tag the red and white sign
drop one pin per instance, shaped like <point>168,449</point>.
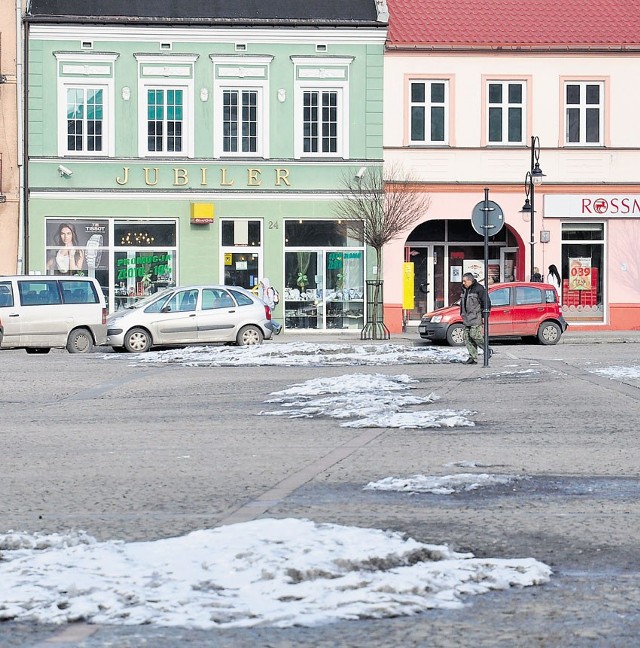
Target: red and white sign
<point>592,206</point>
<point>580,273</point>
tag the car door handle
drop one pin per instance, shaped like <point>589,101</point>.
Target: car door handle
<point>14,315</point>
<point>192,315</point>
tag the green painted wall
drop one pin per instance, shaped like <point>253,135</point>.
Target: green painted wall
<point>99,187</point>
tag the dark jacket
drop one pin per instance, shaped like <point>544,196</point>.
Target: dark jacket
<point>473,301</point>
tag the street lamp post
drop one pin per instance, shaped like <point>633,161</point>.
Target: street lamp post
<point>531,181</point>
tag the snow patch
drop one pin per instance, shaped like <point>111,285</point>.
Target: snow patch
<point>266,572</point>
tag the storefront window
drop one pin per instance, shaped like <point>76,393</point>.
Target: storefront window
<point>129,259</point>
<point>324,288</point>
<point>317,233</point>
<point>141,273</point>
<point>78,247</point>
<point>582,272</point>
<point>241,232</point>
<point>144,259</point>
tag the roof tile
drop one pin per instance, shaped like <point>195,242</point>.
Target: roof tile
<point>514,23</point>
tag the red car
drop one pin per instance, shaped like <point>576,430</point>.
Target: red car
<point>518,309</point>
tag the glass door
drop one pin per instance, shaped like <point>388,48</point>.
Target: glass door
<point>303,296</point>
<point>344,294</point>
<point>429,266</point>
<point>508,264</point>
<point>241,269</point>
<point>241,252</point>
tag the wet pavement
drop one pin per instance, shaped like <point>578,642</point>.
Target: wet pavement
<point>91,444</point>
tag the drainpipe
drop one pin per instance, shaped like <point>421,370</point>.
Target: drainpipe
<point>22,196</point>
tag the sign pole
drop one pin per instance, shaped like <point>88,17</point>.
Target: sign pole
<point>486,215</point>
<point>485,311</point>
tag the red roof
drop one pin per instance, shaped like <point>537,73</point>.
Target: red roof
<point>530,24</point>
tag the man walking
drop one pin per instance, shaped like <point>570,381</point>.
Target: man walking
<point>474,300</point>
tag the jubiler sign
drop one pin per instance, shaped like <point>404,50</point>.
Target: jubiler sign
<point>592,206</point>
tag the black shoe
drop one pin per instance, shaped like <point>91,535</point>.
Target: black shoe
<point>490,352</point>
<point>470,361</point>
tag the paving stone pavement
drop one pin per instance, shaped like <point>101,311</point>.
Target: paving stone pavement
<point>92,443</point>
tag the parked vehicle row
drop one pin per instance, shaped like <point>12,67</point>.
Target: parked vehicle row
<point>38,313</point>
<point>518,309</point>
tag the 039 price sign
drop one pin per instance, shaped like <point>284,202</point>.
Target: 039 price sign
<point>580,273</point>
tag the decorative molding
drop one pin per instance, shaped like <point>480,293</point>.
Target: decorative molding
<point>86,70</point>
<point>241,72</point>
<point>165,71</point>
<point>322,73</point>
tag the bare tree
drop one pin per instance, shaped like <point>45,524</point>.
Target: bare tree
<point>380,204</point>
<point>383,201</point>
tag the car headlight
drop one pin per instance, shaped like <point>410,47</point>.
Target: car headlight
<point>436,318</point>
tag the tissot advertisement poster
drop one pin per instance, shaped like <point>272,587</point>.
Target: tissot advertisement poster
<point>75,246</point>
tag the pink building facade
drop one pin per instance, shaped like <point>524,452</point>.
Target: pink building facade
<point>471,96</point>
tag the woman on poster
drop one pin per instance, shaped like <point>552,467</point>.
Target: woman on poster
<point>69,259</point>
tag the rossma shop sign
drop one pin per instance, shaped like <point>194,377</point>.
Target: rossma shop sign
<point>592,206</point>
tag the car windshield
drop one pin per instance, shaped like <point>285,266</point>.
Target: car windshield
<point>142,303</point>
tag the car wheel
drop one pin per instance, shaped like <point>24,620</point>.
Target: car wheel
<point>80,341</point>
<point>249,335</point>
<point>455,335</point>
<point>549,333</point>
<point>137,340</point>
<point>37,350</point>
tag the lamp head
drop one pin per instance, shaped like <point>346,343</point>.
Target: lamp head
<point>537,175</point>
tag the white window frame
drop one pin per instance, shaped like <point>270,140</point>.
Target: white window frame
<point>86,72</point>
<point>262,120</point>
<point>338,153</point>
<point>322,74</point>
<point>505,106</point>
<point>427,105</point>
<point>176,73</point>
<point>583,107</point>
<point>239,73</point>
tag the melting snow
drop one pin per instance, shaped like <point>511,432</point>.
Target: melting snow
<point>267,572</point>
<point>298,354</point>
<point>619,372</point>
<point>440,485</point>
<point>368,400</point>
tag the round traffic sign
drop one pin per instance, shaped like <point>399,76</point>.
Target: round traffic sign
<point>495,218</point>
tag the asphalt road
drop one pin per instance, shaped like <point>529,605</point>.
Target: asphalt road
<point>100,444</point>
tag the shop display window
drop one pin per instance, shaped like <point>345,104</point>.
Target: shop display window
<point>324,287</point>
<point>129,259</point>
<point>582,272</point>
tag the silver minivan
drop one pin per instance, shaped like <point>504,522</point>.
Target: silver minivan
<point>41,312</point>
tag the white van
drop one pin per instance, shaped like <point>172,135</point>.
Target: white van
<point>40,312</point>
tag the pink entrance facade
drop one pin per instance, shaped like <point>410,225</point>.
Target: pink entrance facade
<point>590,237</point>
<point>466,107</point>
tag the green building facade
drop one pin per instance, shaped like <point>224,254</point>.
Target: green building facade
<point>164,153</point>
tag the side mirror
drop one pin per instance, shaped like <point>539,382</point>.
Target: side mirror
<point>165,309</point>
